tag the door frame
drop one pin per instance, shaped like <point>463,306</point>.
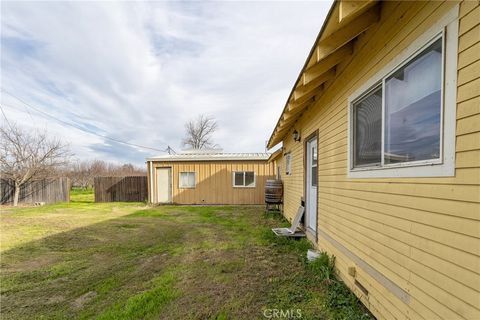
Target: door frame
<point>171,184</point>
<point>313,135</point>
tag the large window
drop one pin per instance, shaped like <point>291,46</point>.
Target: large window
<point>402,119</point>
<point>186,180</point>
<point>398,121</point>
<point>244,179</point>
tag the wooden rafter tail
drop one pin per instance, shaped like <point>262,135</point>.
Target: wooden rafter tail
<point>294,112</point>
<point>282,131</point>
<point>347,32</point>
<point>293,106</point>
<point>286,122</point>
<point>349,10</point>
<point>303,90</point>
<point>334,45</point>
<point>303,99</point>
<point>327,63</point>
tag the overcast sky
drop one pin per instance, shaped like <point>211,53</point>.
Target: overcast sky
<point>137,71</point>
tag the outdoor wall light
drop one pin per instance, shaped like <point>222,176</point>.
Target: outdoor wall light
<point>296,135</point>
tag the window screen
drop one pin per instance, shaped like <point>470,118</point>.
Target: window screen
<point>238,178</point>
<point>413,108</point>
<point>368,129</point>
<point>187,180</point>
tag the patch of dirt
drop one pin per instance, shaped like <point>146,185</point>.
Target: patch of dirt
<point>55,300</point>
<point>33,264</point>
<point>153,263</point>
<point>243,290</point>
<point>236,280</point>
<point>83,299</point>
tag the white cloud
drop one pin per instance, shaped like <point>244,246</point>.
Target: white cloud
<point>138,71</point>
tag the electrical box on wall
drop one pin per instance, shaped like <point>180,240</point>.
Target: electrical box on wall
<point>352,271</point>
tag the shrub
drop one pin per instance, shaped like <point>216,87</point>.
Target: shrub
<point>324,267</point>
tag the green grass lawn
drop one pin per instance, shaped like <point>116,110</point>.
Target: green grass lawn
<point>129,261</point>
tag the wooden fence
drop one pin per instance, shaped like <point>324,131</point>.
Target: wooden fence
<point>112,189</point>
<point>46,190</point>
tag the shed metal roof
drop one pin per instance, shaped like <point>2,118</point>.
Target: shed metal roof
<point>210,156</point>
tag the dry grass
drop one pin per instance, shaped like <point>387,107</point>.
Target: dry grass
<point>128,261</point>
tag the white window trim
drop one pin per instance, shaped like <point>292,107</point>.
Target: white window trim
<point>180,186</point>
<point>288,164</point>
<point>244,186</point>
<point>445,166</point>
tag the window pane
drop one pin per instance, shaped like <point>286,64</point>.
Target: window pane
<point>314,176</point>
<point>368,129</point>
<point>239,178</point>
<point>187,179</point>
<point>413,108</point>
<point>183,179</point>
<point>191,179</point>
<point>249,179</point>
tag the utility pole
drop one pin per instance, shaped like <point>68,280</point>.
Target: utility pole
<point>170,150</point>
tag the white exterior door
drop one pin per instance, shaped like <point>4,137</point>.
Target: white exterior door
<point>311,186</point>
<point>164,185</point>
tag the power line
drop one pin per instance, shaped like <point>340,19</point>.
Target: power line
<point>76,126</point>
<point>6,119</point>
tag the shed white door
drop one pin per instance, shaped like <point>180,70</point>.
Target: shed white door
<point>311,185</point>
<point>164,185</point>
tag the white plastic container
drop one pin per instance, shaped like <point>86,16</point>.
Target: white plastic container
<point>312,255</point>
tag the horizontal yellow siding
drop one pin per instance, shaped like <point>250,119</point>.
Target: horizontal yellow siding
<point>214,182</point>
<point>421,233</point>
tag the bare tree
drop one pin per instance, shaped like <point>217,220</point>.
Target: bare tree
<point>25,156</point>
<point>82,173</point>
<point>199,132</point>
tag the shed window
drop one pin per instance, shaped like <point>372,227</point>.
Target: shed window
<point>186,180</point>
<point>288,164</point>
<point>244,179</point>
<point>406,106</point>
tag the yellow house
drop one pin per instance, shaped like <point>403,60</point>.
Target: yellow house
<point>209,177</point>
<point>381,142</point>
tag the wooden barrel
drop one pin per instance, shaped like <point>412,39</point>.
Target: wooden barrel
<point>273,191</point>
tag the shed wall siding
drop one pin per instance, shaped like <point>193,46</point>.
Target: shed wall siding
<point>421,233</point>
<point>214,183</point>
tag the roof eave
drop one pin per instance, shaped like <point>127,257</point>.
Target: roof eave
<point>333,46</point>
<point>312,50</point>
